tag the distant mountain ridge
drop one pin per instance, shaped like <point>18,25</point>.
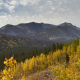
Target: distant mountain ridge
<point>65,31</point>
<point>23,29</point>
<point>42,31</point>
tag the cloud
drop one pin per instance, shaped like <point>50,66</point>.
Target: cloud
<point>60,3</point>
<point>52,18</point>
<point>40,8</point>
<point>23,2</point>
<point>9,7</point>
<point>26,2</point>
<point>61,9</point>
<point>1,2</point>
<point>13,2</point>
<point>53,8</point>
<point>33,2</point>
<point>48,2</point>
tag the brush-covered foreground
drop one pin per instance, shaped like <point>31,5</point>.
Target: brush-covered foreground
<point>70,54</point>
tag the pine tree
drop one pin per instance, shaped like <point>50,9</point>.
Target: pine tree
<point>67,59</point>
<point>53,47</point>
<point>57,47</point>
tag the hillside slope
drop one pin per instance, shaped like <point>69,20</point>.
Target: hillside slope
<point>23,29</point>
<point>63,32</point>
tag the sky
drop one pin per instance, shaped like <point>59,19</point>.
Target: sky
<point>47,11</point>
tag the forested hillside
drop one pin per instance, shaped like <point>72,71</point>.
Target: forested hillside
<point>70,54</point>
<point>23,48</point>
<point>7,42</point>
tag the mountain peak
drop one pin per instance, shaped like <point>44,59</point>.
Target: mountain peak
<point>31,23</point>
<point>7,26</point>
<point>65,23</point>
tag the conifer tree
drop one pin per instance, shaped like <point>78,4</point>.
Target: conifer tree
<point>57,47</point>
<point>53,47</point>
<point>67,60</point>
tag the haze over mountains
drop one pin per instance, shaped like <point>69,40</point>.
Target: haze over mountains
<point>42,31</point>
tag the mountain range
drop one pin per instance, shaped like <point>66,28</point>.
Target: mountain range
<point>24,29</point>
<point>42,31</point>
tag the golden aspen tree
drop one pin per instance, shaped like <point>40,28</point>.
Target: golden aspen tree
<point>38,63</point>
<point>48,60</point>
<point>42,61</point>
<point>32,64</point>
<point>64,51</point>
<point>54,58</point>
<point>17,70</point>
<point>26,66</point>
<point>7,72</point>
